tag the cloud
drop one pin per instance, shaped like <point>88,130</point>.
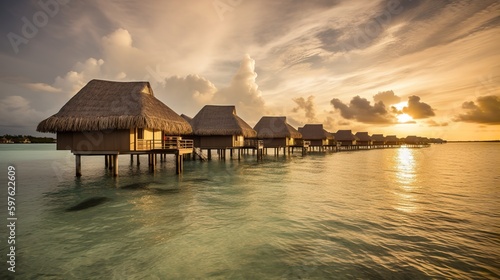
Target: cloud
<point>417,109</point>
<point>433,123</point>
<point>485,110</point>
<point>184,92</point>
<point>42,87</point>
<point>359,109</point>
<point>19,107</point>
<point>243,91</point>
<point>387,97</point>
<point>307,106</point>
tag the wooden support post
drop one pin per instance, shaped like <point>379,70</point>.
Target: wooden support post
<point>110,162</point>
<point>209,154</point>
<point>239,154</point>
<point>131,159</point>
<point>106,163</point>
<point>178,163</point>
<point>78,165</point>
<point>115,165</point>
<point>138,161</point>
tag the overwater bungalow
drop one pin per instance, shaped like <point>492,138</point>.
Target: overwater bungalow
<point>378,139</point>
<point>412,140</point>
<point>6,141</point>
<point>392,140</point>
<point>111,118</point>
<point>364,139</point>
<point>346,138</point>
<point>317,136</point>
<point>219,127</point>
<point>276,132</point>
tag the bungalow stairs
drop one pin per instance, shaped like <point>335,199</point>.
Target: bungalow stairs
<point>200,154</point>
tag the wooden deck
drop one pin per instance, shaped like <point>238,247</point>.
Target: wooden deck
<point>153,148</point>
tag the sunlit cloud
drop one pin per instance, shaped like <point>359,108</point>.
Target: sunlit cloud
<point>417,109</point>
<point>325,49</point>
<point>361,110</point>
<point>485,110</point>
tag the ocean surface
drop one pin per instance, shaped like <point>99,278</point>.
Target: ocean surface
<point>381,214</point>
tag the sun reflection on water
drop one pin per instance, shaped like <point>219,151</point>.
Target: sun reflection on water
<point>405,168</point>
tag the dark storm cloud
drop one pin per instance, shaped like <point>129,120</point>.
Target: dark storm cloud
<point>485,110</point>
<point>361,110</point>
<point>417,109</point>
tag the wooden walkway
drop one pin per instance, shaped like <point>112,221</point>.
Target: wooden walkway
<point>184,148</point>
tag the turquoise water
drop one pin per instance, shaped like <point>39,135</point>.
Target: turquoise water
<point>378,214</point>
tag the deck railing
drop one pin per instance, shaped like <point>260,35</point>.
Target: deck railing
<point>258,144</point>
<point>170,143</point>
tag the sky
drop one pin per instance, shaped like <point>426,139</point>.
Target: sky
<point>397,67</point>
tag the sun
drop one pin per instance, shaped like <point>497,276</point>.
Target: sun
<point>399,106</point>
<point>404,118</point>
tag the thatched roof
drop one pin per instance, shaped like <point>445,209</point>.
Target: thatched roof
<point>102,105</point>
<point>363,136</point>
<point>275,127</point>
<point>187,118</point>
<point>412,139</point>
<point>378,137</point>
<point>391,138</point>
<point>314,132</point>
<point>345,135</point>
<point>220,120</point>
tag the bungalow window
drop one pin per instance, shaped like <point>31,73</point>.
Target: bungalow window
<point>140,133</point>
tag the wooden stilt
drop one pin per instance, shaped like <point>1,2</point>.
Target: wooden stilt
<point>115,165</point>
<point>78,165</point>
<point>138,161</point>
<point>209,153</point>
<point>131,159</point>
<point>178,159</point>
<point>106,162</point>
<point>110,162</point>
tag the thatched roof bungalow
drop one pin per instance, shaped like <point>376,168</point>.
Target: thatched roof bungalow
<point>392,140</point>
<point>219,127</point>
<point>345,138</point>
<point>364,139</point>
<point>276,132</point>
<point>378,139</point>
<point>412,140</point>
<point>113,116</point>
<point>316,135</point>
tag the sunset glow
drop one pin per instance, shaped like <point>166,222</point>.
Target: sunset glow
<point>365,66</point>
<point>404,118</point>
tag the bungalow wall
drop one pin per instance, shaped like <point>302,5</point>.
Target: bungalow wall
<point>364,143</point>
<point>218,141</point>
<point>347,142</point>
<point>106,140</point>
<point>123,140</point>
<point>278,142</point>
<point>145,139</point>
<point>318,142</point>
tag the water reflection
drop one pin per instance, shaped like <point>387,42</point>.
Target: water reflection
<point>405,177</point>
